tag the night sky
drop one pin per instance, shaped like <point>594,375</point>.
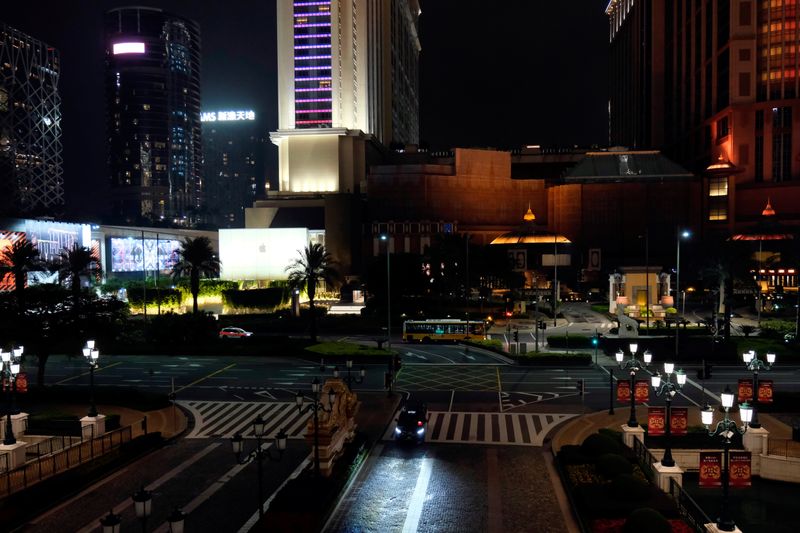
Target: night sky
<point>490,76</point>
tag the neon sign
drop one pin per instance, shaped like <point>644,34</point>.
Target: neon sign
<point>227,116</point>
<point>128,48</point>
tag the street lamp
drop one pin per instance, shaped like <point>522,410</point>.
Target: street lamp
<point>92,357</point>
<point>633,365</point>
<point>667,388</point>
<point>385,238</point>
<point>316,406</point>
<point>10,370</point>
<point>175,521</point>
<point>259,454</point>
<point>685,234</point>
<point>726,428</point>
<point>110,523</point>
<point>362,373</point>
<point>754,364</point>
<point>143,505</point>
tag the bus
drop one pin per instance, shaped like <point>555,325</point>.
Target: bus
<point>442,330</point>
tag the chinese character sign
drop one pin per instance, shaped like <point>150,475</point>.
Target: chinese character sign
<point>623,391</point>
<point>642,390</point>
<point>656,421</point>
<point>765,391</point>
<point>679,421</point>
<point>710,469</point>
<point>745,390</point>
<point>739,469</point>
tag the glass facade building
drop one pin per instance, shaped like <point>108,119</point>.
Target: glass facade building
<point>153,102</point>
<point>234,153</point>
<point>31,173</point>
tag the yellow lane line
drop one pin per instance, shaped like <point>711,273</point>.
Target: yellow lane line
<point>98,369</point>
<point>193,383</point>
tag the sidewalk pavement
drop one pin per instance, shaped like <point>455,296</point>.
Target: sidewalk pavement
<point>576,431</point>
<point>170,421</point>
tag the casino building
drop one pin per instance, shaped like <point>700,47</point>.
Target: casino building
<point>31,175</point>
<point>347,88</point>
<point>153,113</point>
<point>234,153</point>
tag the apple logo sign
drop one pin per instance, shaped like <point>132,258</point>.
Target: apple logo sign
<point>262,248</point>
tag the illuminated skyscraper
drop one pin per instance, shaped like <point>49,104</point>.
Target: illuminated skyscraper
<point>31,179</point>
<point>716,84</point>
<point>234,151</point>
<point>345,70</point>
<point>348,77</point>
<point>153,102</point>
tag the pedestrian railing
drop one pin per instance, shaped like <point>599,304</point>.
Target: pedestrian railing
<point>49,446</point>
<point>691,513</point>
<point>645,457</point>
<point>784,447</point>
<point>80,451</point>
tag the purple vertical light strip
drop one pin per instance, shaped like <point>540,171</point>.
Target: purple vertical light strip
<point>313,19</point>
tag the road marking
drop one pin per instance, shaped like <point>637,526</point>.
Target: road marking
<point>119,508</point>
<point>254,518</point>
<point>494,492</point>
<point>205,377</point>
<point>96,370</point>
<point>225,419</point>
<point>513,429</point>
<point>418,497</point>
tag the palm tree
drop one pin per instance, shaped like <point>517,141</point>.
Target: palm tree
<point>196,258</point>
<point>19,259</point>
<point>315,266</point>
<point>74,262</point>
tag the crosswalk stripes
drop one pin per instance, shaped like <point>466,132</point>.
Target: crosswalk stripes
<point>214,419</point>
<point>519,399</point>
<point>512,429</point>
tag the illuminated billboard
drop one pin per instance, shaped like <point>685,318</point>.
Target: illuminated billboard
<point>135,255</point>
<point>259,254</point>
<point>128,48</point>
<point>227,116</point>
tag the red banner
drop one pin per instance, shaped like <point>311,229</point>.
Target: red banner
<point>745,390</point>
<point>656,421</point>
<point>642,390</point>
<point>679,423</point>
<point>710,469</point>
<point>740,469</point>
<point>623,391</point>
<point>765,391</point>
<point>22,382</point>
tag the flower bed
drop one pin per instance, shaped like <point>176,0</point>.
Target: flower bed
<point>608,487</point>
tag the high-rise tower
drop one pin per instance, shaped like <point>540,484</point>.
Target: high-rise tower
<point>31,174</point>
<point>347,77</point>
<point>153,102</point>
<point>345,70</point>
<point>716,84</point>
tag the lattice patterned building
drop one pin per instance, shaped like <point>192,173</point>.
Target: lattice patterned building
<point>31,174</point>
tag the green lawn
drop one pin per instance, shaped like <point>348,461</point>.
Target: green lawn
<point>333,349</point>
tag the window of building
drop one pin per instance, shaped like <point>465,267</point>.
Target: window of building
<point>744,84</point>
<point>759,167</point>
<point>718,186</point>
<point>781,143</point>
<point>723,128</point>
<point>745,18</point>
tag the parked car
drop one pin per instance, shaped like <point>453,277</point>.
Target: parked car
<point>234,333</point>
<point>412,422</point>
<point>789,338</point>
